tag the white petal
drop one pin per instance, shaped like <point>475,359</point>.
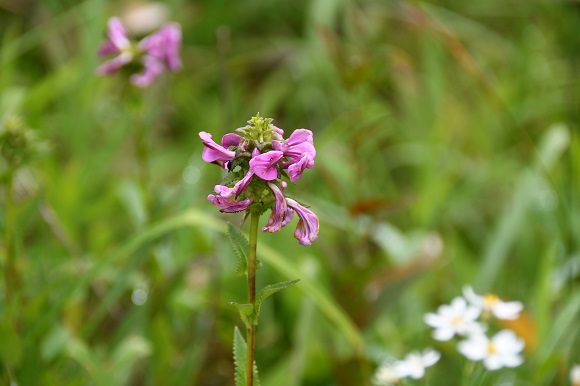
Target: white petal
<point>472,313</point>
<point>575,375</point>
<point>459,305</point>
<point>512,360</point>
<point>417,372</point>
<point>472,297</point>
<point>430,357</point>
<point>443,334</point>
<point>434,320</point>
<point>493,363</point>
<point>507,310</point>
<point>385,376</point>
<point>474,348</point>
<point>506,341</point>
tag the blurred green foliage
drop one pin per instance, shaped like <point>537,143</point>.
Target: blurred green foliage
<point>447,154</point>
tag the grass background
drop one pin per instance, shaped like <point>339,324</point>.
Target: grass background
<point>447,154</point>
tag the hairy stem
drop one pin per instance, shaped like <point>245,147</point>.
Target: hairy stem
<point>251,328</point>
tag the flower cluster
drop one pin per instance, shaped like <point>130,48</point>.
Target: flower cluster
<point>258,159</point>
<point>156,53</point>
<point>413,366</point>
<point>461,318</point>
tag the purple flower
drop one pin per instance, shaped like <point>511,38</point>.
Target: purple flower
<point>213,152</point>
<point>308,225</point>
<point>229,206</point>
<point>261,151</point>
<point>264,165</point>
<point>157,52</point>
<point>281,214</point>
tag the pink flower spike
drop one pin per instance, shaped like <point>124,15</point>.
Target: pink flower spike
<point>264,165</point>
<point>229,206</point>
<point>308,225</point>
<point>281,214</point>
<point>214,152</point>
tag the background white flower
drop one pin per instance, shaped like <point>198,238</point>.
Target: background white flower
<point>414,364</point>
<point>575,375</point>
<point>386,375</point>
<point>490,303</point>
<point>502,350</point>
<point>455,318</point>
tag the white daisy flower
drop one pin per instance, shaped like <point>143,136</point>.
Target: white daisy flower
<point>457,318</point>
<point>491,304</point>
<point>415,363</point>
<point>575,375</point>
<point>502,350</point>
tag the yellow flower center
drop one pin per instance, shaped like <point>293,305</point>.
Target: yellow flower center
<point>490,300</point>
<point>491,348</point>
<point>457,320</point>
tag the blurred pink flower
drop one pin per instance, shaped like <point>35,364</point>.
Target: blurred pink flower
<point>157,52</point>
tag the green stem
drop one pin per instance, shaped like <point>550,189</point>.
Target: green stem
<point>11,280</point>
<point>251,327</point>
<point>142,155</point>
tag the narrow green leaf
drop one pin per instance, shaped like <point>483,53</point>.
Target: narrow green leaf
<point>11,346</point>
<point>239,358</point>
<point>246,312</point>
<point>269,290</point>
<point>241,247</point>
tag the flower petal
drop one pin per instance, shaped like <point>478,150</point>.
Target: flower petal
<point>295,170</point>
<point>264,165</point>
<point>152,68</point>
<point>308,225</point>
<point>214,152</point>
<point>280,214</point>
<point>507,310</point>
<point>237,189</point>
<point>113,65</point>
<point>118,34</point>
<point>229,206</point>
